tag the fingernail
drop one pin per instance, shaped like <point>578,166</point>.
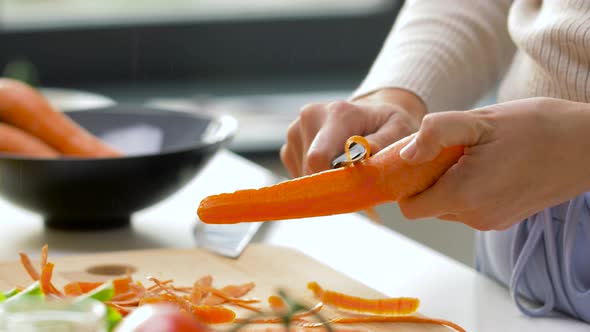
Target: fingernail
<point>409,151</point>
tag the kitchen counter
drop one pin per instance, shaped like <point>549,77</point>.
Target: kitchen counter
<point>350,244</point>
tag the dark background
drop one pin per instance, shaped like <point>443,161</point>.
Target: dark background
<point>143,52</point>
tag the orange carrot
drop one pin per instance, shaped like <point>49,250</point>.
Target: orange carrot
<point>385,177</point>
<point>19,142</point>
<point>25,108</point>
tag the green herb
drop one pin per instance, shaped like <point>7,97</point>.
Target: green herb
<point>293,308</point>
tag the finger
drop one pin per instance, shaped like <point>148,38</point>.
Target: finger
<point>312,118</point>
<point>438,200</point>
<point>287,159</point>
<point>440,130</point>
<point>394,129</point>
<point>342,121</point>
<point>292,153</point>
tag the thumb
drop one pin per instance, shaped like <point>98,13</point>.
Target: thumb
<point>441,130</point>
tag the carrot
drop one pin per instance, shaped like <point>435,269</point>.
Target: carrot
<point>385,177</point>
<point>19,142</point>
<point>25,108</point>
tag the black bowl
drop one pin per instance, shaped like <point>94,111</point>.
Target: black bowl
<point>87,194</point>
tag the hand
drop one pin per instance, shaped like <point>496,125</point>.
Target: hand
<point>520,158</point>
<point>317,136</point>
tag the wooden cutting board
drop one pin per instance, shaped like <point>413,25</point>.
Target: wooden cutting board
<point>270,267</point>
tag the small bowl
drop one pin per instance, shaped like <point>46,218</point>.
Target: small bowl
<point>164,150</point>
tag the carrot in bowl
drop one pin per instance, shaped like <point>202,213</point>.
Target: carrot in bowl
<point>24,107</point>
<point>385,177</point>
<point>18,142</point>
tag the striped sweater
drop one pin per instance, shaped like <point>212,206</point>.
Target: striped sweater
<point>451,52</point>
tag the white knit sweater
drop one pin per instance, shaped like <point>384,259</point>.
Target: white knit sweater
<point>451,52</point>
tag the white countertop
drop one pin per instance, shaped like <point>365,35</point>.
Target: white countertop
<point>369,253</point>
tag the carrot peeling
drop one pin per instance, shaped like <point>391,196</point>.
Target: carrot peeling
<point>231,299</point>
<point>45,280</point>
<point>386,306</point>
<point>26,262</point>
<point>231,291</point>
<point>44,255</point>
<point>214,314</point>
<point>277,304</point>
<point>73,289</point>
<point>281,309</point>
<point>384,319</point>
<point>382,178</point>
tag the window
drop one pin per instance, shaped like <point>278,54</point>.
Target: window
<point>36,14</point>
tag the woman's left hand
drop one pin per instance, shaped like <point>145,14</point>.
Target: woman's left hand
<point>520,158</point>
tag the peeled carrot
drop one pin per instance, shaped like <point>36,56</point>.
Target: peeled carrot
<point>25,108</point>
<point>19,142</point>
<point>385,177</point>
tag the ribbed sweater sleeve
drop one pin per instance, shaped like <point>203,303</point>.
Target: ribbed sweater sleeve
<point>448,52</point>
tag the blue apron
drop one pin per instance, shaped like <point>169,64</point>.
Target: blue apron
<point>545,259</point>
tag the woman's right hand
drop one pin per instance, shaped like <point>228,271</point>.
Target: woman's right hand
<point>317,136</point>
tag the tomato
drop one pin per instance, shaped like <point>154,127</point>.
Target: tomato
<point>160,318</point>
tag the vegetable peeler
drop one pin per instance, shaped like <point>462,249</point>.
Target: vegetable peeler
<point>357,153</point>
